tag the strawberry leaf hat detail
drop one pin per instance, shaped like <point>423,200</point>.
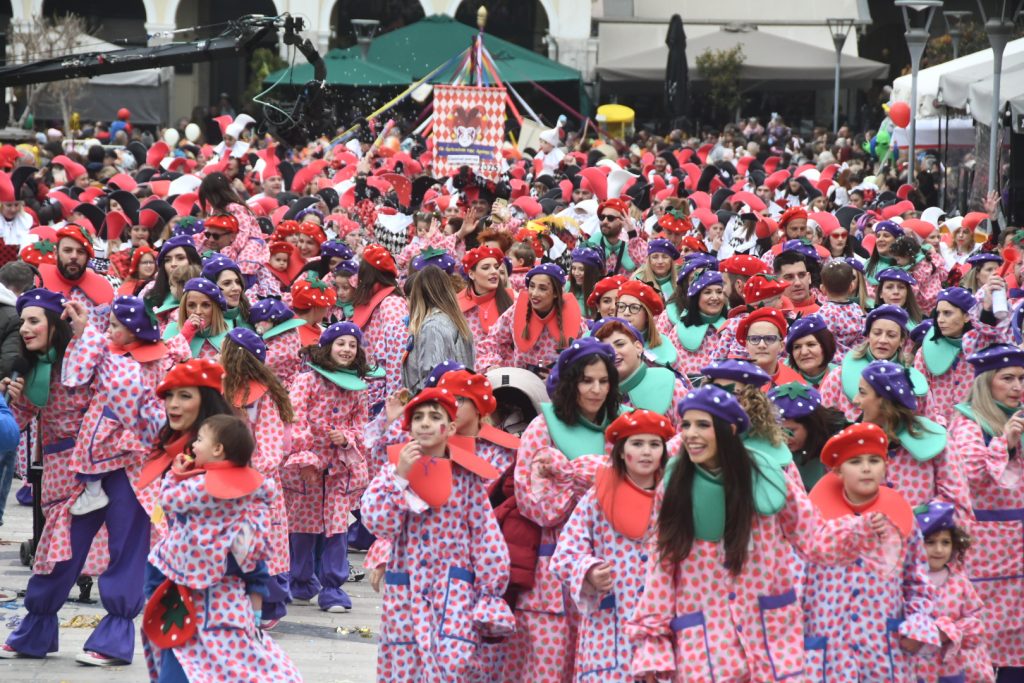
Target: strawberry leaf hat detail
<point>311,292</point>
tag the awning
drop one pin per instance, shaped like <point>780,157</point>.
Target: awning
<point>971,90</point>
<point>784,63</point>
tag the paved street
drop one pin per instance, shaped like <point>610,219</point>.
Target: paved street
<point>309,636</point>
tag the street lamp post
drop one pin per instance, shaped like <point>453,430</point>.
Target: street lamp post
<point>918,31</point>
<point>839,28</point>
<point>999,29</point>
<point>954,24</point>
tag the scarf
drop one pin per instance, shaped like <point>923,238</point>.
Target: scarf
<point>37,384</point>
<point>485,303</point>
<point>535,326</point>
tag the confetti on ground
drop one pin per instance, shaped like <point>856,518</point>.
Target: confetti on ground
<point>362,631</point>
<point>82,621</point>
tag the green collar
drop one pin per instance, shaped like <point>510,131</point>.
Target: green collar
<point>968,411</point>
<point>666,285</point>
<point>281,328</point>
<point>779,455</point>
<point>169,304</point>
<point>37,383</point>
<point>664,353</point>
<point>692,337</point>
<point>650,389</point>
<point>344,378</point>
<point>926,445</point>
<point>582,438</point>
<point>940,353</point>
<point>196,343</point>
<point>851,369</point>
<point>348,309</point>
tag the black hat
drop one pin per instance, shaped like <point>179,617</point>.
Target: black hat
<point>137,150</point>
<point>299,205</point>
<point>20,175</point>
<point>720,195</point>
<point>129,204</point>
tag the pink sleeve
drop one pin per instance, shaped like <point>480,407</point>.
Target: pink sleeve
<point>83,357</point>
<point>492,617</point>
<point>637,247</point>
<point>918,598</point>
<point>951,484</point>
<point>827,542</point>
<point>384,505</point>
<point>302,392</point>
<point>547,502</point>
<point>351,425</point>
<point>378,554</point>
<point>495,349</point>
<point>574,554</point>
<point>650,627</point>
<point>272,437</point>
<point>984,465</point>
<point>178,348</point>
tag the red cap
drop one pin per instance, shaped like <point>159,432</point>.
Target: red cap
<point>973,219</point>
<point>198,372</point>
<point>475,256</point>
<point>694,243</point>
<point>222,222</point>
<point>380,258</point>
<point>645,293</point>
<point>310,292</point>
<point>137,256</point>
<point>898,209</point>
<point>743,264</point>
<point>620,205</point>
<point>465,384</point>
<point>603,286</point>
<point>761,287</point>
<point>671,223</point>
<point>863,438</point>
<point>921,228</point>
<point>311,229</point>
<point>792,213</point>
<point>442,397</point>
<point>639,422</point>
<point>766,315</point>
<point>282,248</point>
<point>80,235</point>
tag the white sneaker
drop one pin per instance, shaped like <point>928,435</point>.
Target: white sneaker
<point>89,502</point>
<point>337,609</point>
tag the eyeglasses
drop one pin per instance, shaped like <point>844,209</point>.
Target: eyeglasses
<point>215,235</point>
<point>630,308</point>
<point>766,339</point>
<point>609,217</point>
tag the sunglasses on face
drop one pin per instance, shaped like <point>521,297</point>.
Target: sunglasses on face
<point>215,235</point>
<point>609,217</point>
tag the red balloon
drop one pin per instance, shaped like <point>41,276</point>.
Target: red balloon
<point>899,112</point>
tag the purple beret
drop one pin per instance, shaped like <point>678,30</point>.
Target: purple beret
<point>350,266</point>
<point>718,402</point>
<point>802,327</point>
<point>549,269</point>
<point>588,257</point>
<point>131,311</point>
<point>598,324</point>
<point>188,226</point>
<point>802,247</point>
<point>921,330</point>
<point>795,400</point>
<point>341,329</point>
<point>854,263</point>
<point>574,353</point>
<point>934,516</point>
<point>270,310</point>
<point>204,286</point>
<point>434,257</point>
<point>976,260</point>
<point>440,370</point>
<point>896,275</point>
<point>888,226</point>
<point>173,243</point>
<point>660,245</point>
<point>336,248</point>
<point>995,357</point>
<point>737,370</point>
<point>959,297</point>
<point>704,280</point>
<point>250,341</point>
<point>42,298</point>
<point>692,262</point>
<point>886,312</point>
<point>217,264</point>
<point>890,381</point>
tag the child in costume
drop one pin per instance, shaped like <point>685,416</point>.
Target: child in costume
<point>207,578</point>
<point>867,620</point>
<point>277,324</point>
<point>602,552</point>
<point>449,564</point>
<point>326,471</point>
<point>963,656</point>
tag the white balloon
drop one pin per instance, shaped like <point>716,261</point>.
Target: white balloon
<point>171,136</point>
<point>192,132</point>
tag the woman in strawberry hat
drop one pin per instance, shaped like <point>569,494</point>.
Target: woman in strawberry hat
<point>262,400</point>
<point>544,320</point>
<point>448,565</point>
<point>63,551</point>
<point>719,601</point>
<point>208,577</point>
<point>560,452</point>
<point>759,291</point>
<point>140,272</point>
<point>986,433</point>
<point>602,552</point>
<point>871,617</point>
<point>202,309</point>
<point>485,299</point>
<point>380,311</point>
<point>327,468</point>
<point>312,299</point>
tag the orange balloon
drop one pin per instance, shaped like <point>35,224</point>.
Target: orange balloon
<point>899,112</point>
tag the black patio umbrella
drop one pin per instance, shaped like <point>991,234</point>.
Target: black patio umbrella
<point>677,71</point>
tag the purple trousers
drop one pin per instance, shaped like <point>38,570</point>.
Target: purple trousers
<point>334,568</point>
<point>120,586</point>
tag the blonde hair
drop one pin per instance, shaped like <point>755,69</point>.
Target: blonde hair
<point>989,416</point>
<point>765,421</point>
<point>217,323</point>
<point>646,274</point>
<point>429,290</point>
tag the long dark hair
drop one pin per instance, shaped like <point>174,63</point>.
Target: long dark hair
<point>501,297</point>
<point>211,402</point>
<point>243,302</point>
<point>591,274</point>
<point>561,342</point>
<point>690,313</point>
<point>566,397</point>
<point>216,193</point>
<point>821,425</point>
<point>368,278</point>
<point>321,356</point>
<point>60,333</point>
<point>162,283</point>
<point>675,520</point>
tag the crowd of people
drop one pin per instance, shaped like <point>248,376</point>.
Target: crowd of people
<point>741,408</point>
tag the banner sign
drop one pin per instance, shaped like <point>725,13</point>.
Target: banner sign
<point>469,128</point>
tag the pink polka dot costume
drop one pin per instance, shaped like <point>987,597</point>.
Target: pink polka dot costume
<point>846,322</point>
<point>384,335</point>
<point>958,615</point>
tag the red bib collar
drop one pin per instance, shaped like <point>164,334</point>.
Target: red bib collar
<point>361,314</point>
<point>625,505</point>
<point>431,478</point>
<point>161,460</point>
<point>144,352</point>
<point>784,375</point>
<point>536,326</point>
<point>256,392</point>
<point>498,437</point>
<point>309,334</point>
<point>96,287</point>
<point>827,495</point>
<point>487,303</point>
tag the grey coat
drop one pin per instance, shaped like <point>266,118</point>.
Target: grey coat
<point>437,341</point>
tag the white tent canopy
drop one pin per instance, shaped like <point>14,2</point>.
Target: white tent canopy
<point>976,93</point>
<point>928,79</point>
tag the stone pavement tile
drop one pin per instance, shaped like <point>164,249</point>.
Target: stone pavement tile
<point>308,635</point>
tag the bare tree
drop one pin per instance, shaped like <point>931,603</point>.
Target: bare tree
<point>48,38</point>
